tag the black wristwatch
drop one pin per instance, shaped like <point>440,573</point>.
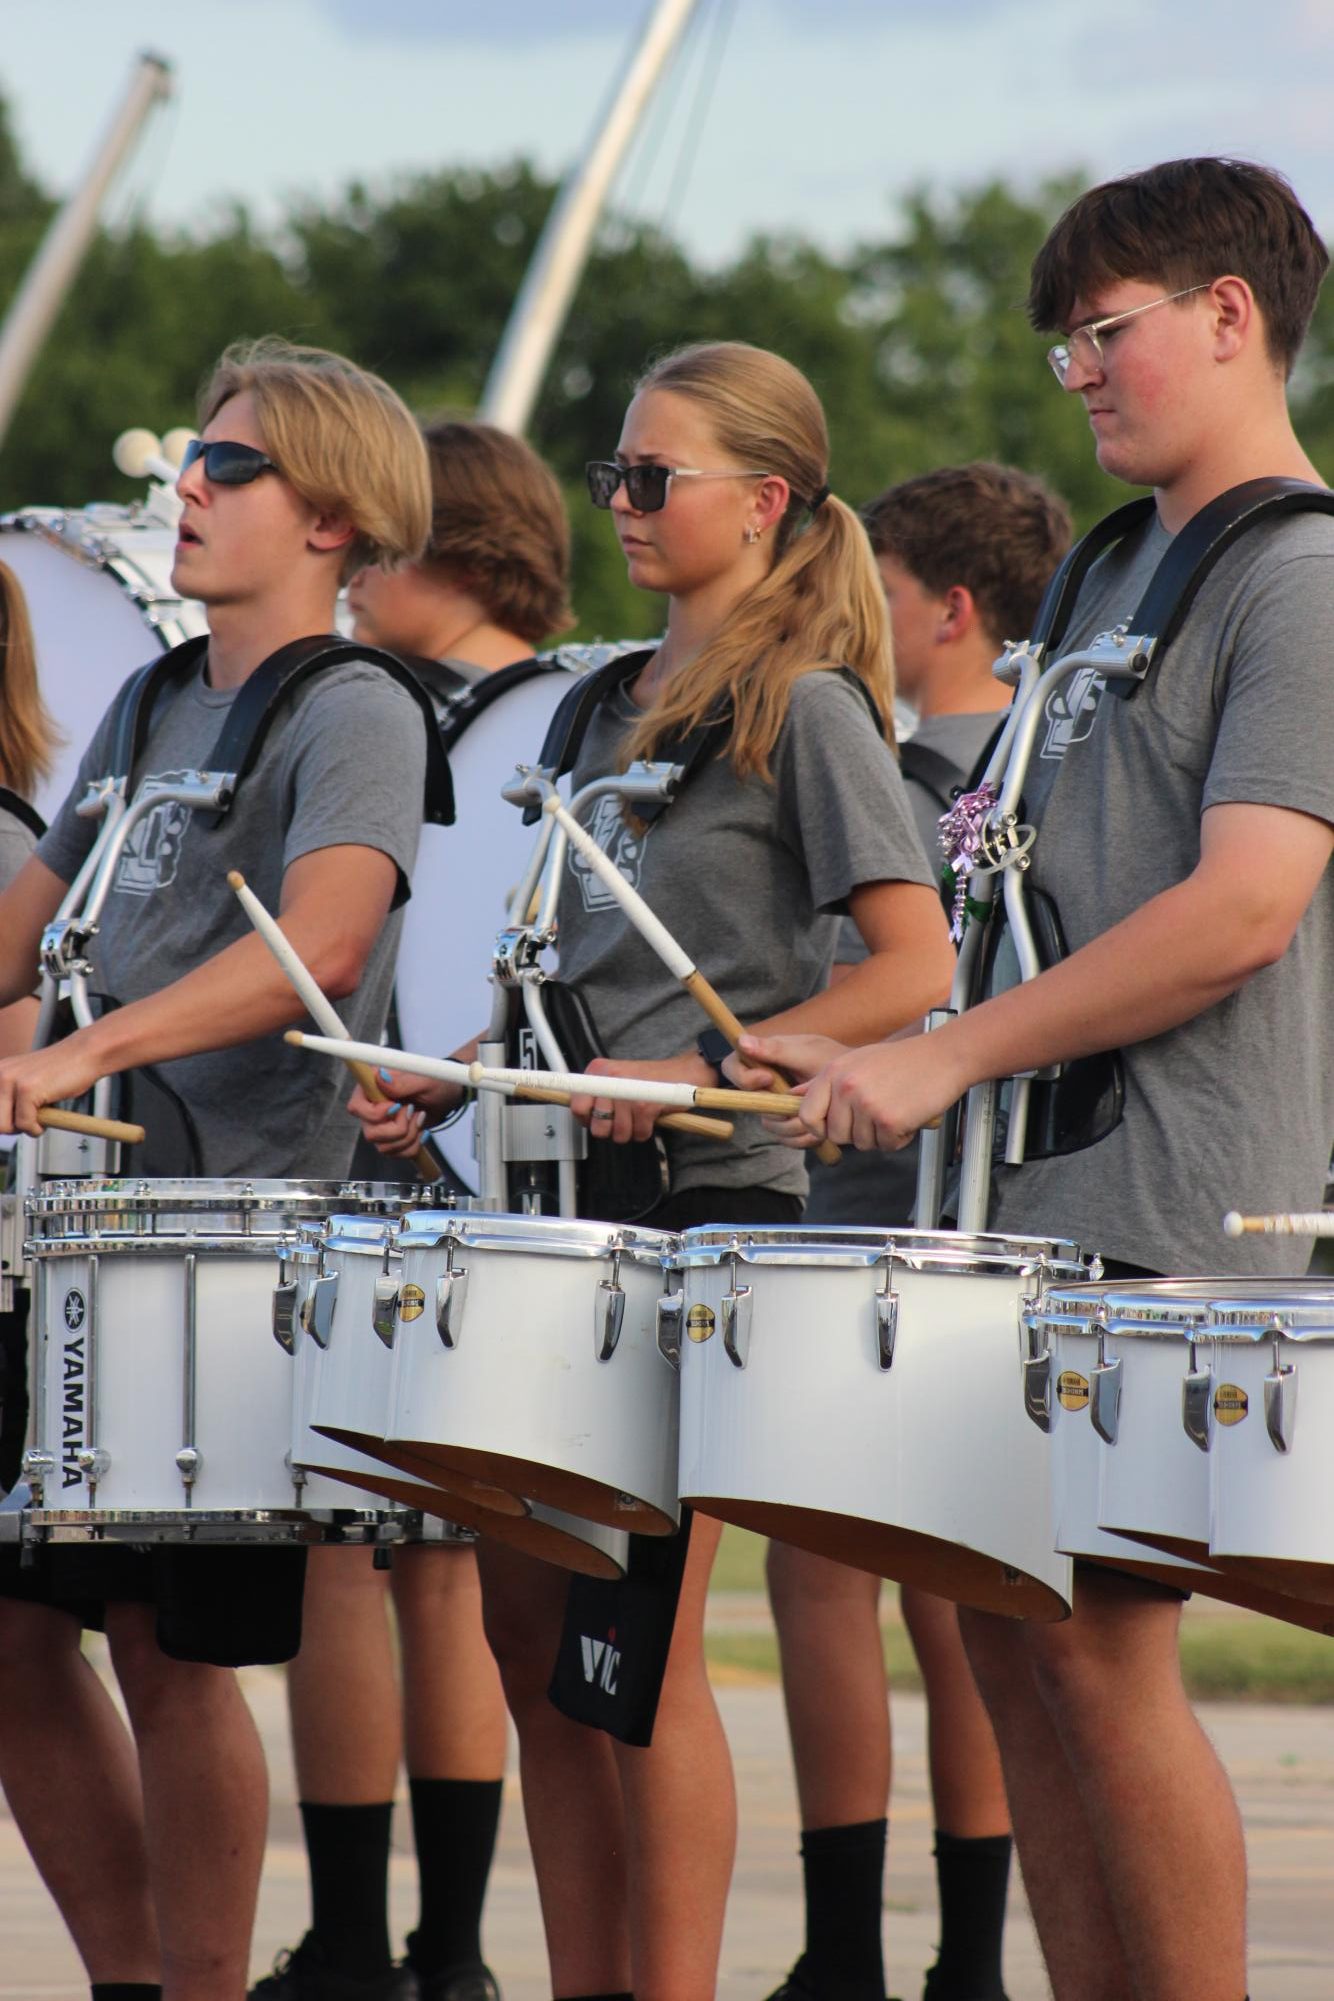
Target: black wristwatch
<point>715,1048</point>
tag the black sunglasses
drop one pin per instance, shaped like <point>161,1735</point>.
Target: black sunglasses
<point>227,463</point>
<point>646,485</point>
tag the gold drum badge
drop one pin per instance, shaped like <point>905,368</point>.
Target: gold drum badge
<point>411,1303</point>
<point>699,1323</point>
<point>1231,1403</point>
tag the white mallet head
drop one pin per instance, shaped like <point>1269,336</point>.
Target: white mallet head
<point>1233,1225</point>
<point>175,442</point>
<point>132,451</point>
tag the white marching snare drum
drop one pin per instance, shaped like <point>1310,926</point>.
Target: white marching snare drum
<point>527,1355</point>
<point>461,888</point>
<point>98,585</point>
<point>855,1393</point>
<point>341,1306</point>
<point>1071,1390</point>
<point>162,1401</point>
<point>1270,1462</point>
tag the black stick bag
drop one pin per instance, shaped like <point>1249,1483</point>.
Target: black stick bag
<point>616,1639</point>
<point>617,1184</point>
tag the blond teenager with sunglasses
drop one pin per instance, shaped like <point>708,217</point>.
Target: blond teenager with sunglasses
<point>720,499</point>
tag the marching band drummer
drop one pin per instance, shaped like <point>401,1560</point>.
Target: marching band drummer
<point>1185,838</point>
<point>964,554</point>
<point>28,738</point>
<point>491,585</point>
<point>307,469</point>
<point>775,617</point>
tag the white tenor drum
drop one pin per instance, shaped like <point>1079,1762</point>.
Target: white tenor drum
<point>855,1393</point>
<point>1072,1379</point>
<point>341,1312</point>
<point>1271,1465</point>
<point>162,1377</point>
<point>527,1355</point>
<point>99,591</point>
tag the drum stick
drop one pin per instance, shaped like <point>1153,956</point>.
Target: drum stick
<point>545,1087</point>
<point>558,1085</point>
<point>83,1122</point>
<point>315,1001</point>
<point>673,956</point>
<point>1316,1223</point>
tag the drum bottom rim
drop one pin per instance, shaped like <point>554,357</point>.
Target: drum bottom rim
<point>419,1464</point>
<point>1284,1577</point>
<point>549,1544</point>
<point>1189,1548</point>
<point>427,1500</point>
<point>949,1570</point>
<point>554,1486</point>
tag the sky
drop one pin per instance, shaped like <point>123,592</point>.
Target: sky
<point>806,115</point>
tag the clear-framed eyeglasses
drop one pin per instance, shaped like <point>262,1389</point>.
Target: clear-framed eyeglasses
<point>1084,344</point>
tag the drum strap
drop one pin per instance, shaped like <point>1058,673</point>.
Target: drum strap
<point>464,707</point>
<point>569,726</point>
<point>256,707</point>
<point>23,810</point>
<point>1058,600</point>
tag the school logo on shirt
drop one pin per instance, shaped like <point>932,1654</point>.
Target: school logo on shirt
<point>153,851</point>
<point>1071,711</point>
<point>620,842</point>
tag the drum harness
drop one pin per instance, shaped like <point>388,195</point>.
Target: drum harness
<point>512,1135</point>
<point>984,836</point>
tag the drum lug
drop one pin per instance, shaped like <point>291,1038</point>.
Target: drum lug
<point>737,1302</point>
<point>189,1460</point>
<point>1105,1398</point>
<point>1281,1402</point>
<point>1196,1402</point>
<point>671,1311</point>
<point>1035,1368</point>
<point>886,1325</point>
<point>608,1314</point>
<point>38,1465</point>
<point>317,1308</point>
<point>384,1309</point>
<point>284,1314</point>
<point>94,1462</point>
<point>451,1292</point>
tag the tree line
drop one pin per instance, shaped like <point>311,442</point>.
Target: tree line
<point>918,344</point>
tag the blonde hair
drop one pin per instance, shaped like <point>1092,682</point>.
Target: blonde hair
<point>28,736</point>
<point>820,606</point>
<point>499,523</point>
<point>341,437</point>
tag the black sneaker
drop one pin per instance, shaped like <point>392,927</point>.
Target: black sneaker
<point>304,1974</point>
<point>451,1983</point>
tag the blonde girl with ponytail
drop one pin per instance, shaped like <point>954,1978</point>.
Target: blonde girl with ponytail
<point>28,738</point>
<point>776,631</point>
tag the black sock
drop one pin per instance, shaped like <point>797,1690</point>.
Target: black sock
<point>973,1876</point>
<point>348,1851</point>
<point>125,1990</point>
<point>596,1997</point>
<point>454,1824</point>
<point>844,1869</point>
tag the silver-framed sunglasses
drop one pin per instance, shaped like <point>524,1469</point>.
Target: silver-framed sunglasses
<point>647,486</point>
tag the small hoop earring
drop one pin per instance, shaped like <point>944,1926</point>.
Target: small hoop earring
<point>752,535</point>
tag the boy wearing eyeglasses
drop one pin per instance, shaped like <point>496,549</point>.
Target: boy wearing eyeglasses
<point>307,469</point>
<point>1184,838</point>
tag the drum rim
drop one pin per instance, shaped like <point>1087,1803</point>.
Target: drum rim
<point>814,1245</point>
<point>552,1236</point>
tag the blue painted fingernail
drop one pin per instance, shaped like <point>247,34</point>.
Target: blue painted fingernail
<point>383,1074</point>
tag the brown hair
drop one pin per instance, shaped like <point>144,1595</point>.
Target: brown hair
<point>498,522</point>
<point>997,531</point>
<point>1186,223</point>
<point>820,606</point>
<point>342,437</point>
<point>28,736</point>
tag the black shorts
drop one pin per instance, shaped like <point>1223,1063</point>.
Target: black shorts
<point>231,1605</point>
<point>616,1636</point>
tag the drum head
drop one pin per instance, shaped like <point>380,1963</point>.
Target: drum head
<point>99,594</point>
<point>464,877</point>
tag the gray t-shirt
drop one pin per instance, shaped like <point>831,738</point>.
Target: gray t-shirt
<point>1234,1109</point>
<point>880,1189</point>
<point>17,842</point>
<point>751,877</point>
<point>344,766</point>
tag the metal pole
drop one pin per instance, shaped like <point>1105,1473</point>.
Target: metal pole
<point>562,251</point>
<point>65,245</point>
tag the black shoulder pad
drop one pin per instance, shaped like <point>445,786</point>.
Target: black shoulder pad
<point>133,707</point>
<point>23,810</point>
<point>260,697</point>
<point>1058,600</point>
<point>472,701</point>
<point>569,726</point>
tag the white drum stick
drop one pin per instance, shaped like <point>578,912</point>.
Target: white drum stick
<point>526,1083</point>
<point>316,1002</point>
<point>1316,1223</point>
<point>655,933</point>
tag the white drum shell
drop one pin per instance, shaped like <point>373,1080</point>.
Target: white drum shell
<point>1268,1503</point>
<point>523,1386</point>
<point>938,1444</point>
